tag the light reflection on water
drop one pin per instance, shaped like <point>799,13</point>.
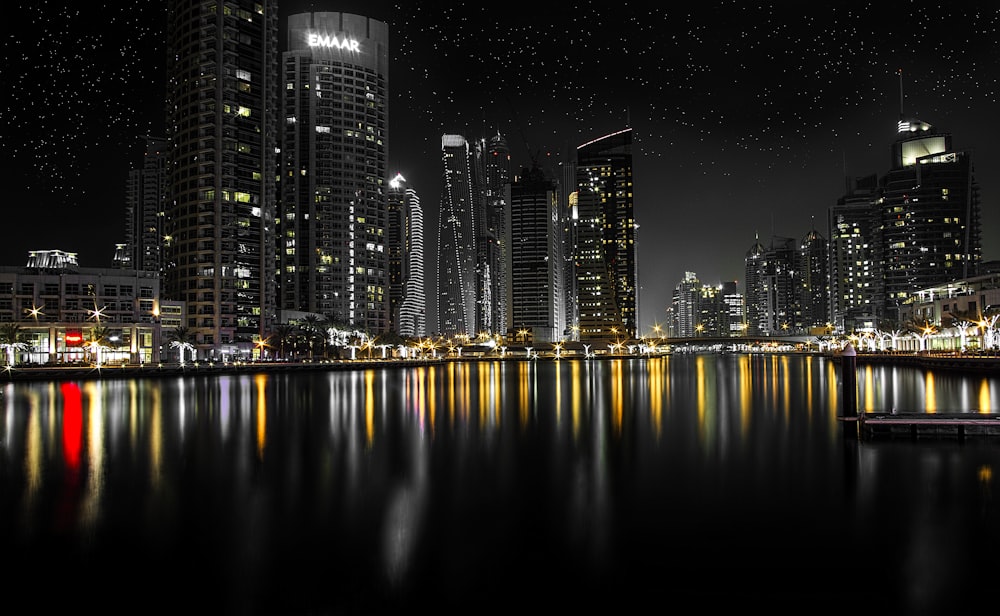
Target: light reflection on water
<point>346,491</point>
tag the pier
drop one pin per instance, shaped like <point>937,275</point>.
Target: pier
<point>914,426</point>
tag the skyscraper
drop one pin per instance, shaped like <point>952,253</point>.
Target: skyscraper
<point>490,176</point>
<point>145,202</point>
<point>456,253</point>
<point>855,273</point>
<point>686,311</point>
<point>928,213</point>
<point>813,282</point>
<point>221,94</point>
<point>407,295</point>
<point>333,207</point>
<point>772,288</point>
<point>606,269</point>
<point>535,262</point>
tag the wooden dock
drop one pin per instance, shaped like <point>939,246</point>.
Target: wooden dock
<point>872,426</point>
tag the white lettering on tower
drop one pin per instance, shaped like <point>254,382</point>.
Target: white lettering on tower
<point>325,40</point>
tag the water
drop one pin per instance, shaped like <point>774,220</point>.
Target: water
<point>659,484</point>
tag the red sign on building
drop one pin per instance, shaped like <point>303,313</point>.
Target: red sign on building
<point>74,338</point>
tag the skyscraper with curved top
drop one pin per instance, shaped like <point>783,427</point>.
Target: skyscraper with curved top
<point>605,259</point>
<point>334,147</point>
<point>219,223</point>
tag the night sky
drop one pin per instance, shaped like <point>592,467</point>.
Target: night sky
<point>747,117</point>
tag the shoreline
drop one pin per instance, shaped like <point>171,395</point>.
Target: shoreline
<point>977,364</point>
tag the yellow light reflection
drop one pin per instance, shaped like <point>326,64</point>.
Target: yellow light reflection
<point>656,396</point>
<point>451,394</point>
<point>617,401</point>
<point>558,393</point>
<point>33,446</point>
<point>369,407</point>
<point>869,395</point>
<point>260,381</point>
<point>786,388</point>
<point>746,391</point>
<point>465,377</point>
<point>431,381</point>
<point>984,396</point>
<point>156,438</point>
<point>497,396</point>
<point>930,394</point>
<point>484,395</point>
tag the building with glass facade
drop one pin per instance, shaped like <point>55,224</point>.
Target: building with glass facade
<point>605,258</point>
<point>333,196</point>
<point>535,261</point>
<point>456,252</point>
<point>407,294</point>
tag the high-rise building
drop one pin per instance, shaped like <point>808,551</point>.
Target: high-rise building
<point>569,217</point>
<point>222,68</point>
<point>772,291</point>
<point>753,291</point>
<point>333,206</point>
<point>928,214</point>
<point>734,307</point>
<point>686,312</point>
<point>813,282</point>
<point>855,274</point>
<point>535,261</point>
<point>407,295</point>
<point>145,202</point>
<point>456,253</point>
<point>607,285</point>
<point>491,173</point>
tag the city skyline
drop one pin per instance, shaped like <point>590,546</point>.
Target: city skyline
<point>746,120</point>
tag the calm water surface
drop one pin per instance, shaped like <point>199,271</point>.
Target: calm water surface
<point>656,484</point>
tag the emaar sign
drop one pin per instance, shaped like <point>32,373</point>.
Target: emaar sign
<point>322,40</point>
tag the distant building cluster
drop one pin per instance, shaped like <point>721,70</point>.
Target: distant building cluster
<point>900,251</point>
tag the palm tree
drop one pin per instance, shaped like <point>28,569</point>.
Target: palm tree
<point>182,339</point>
<point>284,333</point>
<point>314,327</point>
<point>11,341</point>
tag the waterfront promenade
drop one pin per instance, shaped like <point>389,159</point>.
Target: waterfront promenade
<point>952,362</point>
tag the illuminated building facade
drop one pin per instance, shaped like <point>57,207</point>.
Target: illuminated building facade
<point>456,253</point>
<point>333,198</point>
<point>855,274</point>
<point>62,309</point>
<point>219,251</point>
<point>928,215</point>
<point>535,263</point>
<point>605,259</point>
<point>685,303</point>
<point>407,295</point>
